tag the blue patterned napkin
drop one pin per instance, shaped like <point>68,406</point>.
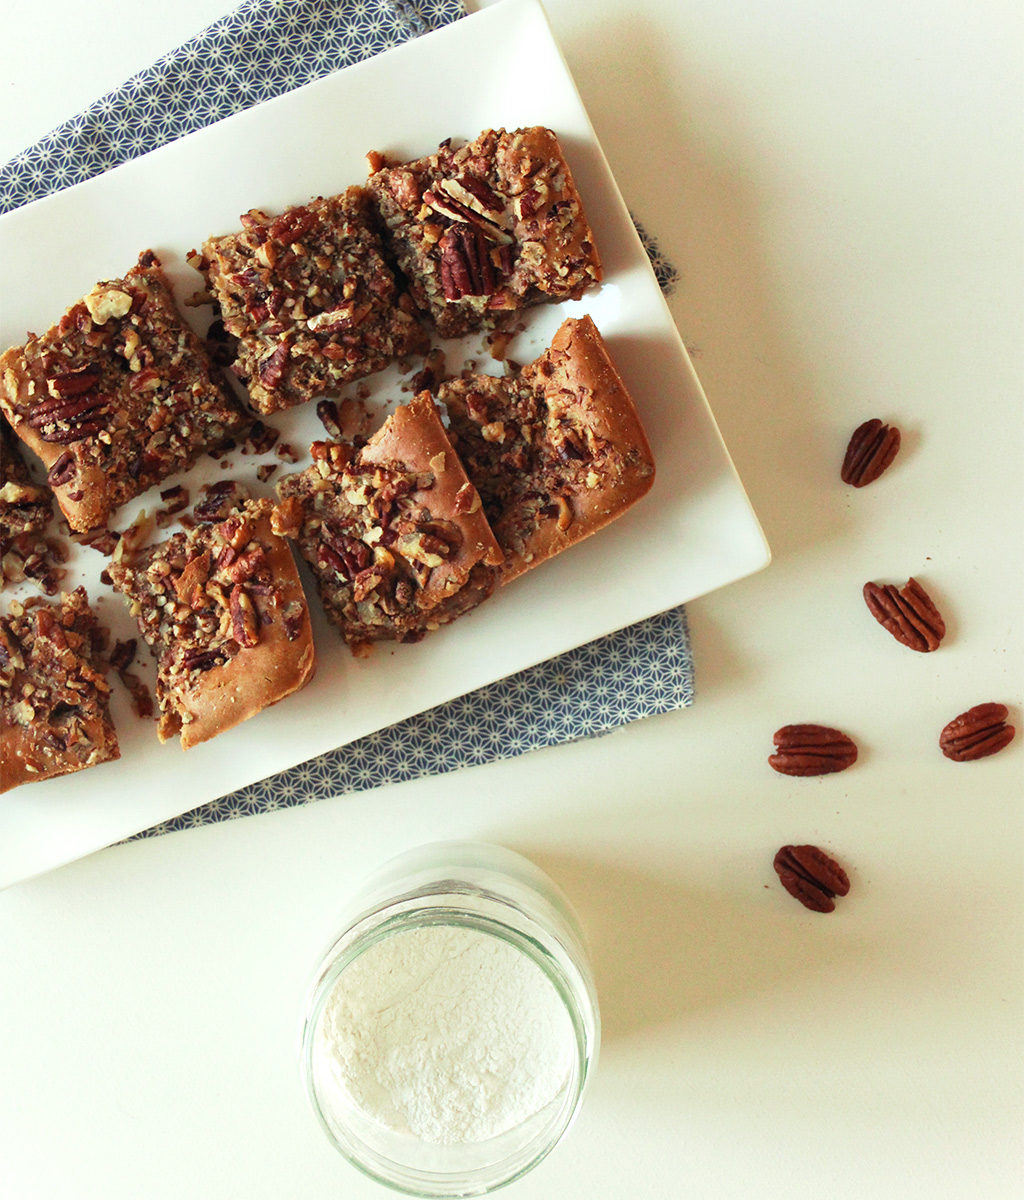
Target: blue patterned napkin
<point>262,49</point>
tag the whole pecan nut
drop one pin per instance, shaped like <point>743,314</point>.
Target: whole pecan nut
<point>908,613</point>
<point>68,419</point>
<point>811,876</point>
<point>872,448</point>
<point>811,750</point>
<point>977,733</point>
<point>466,266</point>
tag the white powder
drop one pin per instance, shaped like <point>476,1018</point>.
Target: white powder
<point>445,1033</point>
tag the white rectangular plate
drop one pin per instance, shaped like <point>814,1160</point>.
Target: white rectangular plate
<point>694,532</point>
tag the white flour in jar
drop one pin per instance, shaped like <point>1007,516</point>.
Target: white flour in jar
<point>445,1033</point>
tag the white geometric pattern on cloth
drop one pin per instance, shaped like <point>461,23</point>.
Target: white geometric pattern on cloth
<point>263,49</point>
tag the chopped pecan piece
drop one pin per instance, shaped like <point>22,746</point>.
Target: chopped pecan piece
<point>244,619</point>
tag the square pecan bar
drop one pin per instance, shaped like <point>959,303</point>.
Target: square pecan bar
<point>222,608</point>
<point>556,451</point>
<point>117,396</point>
<point>394,531</point>
<point>54,700</point>
<point>308,300</point>
<point>493,226</point>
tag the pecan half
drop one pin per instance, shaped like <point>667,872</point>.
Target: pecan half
<point>62,471</point>
<point>908,613</point>
<point>977,733</point>
<point>292,225</point>
<point>67,419</point>
<point>872,448</point>
<point>811,750</point>
<point>73,383</point>
<point>811,876</point>
<point>466,268</point>
<point>201,660</point>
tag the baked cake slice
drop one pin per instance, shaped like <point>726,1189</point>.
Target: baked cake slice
<point>117,396</point>
<point>54,699</point>
<point>556,451</point>
<point>490,227</point>
<point>394,531</point>
<point>307,300</point>
<point>222,608</point>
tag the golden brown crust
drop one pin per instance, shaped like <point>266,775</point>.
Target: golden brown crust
<point>415,437</point>
<point>556,451</point>
<point>585,388</point>
<point>259,677</point>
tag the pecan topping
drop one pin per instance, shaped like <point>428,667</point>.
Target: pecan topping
<point>977,733</point>
<point>466,268</point>
<point>74,383</point>
<point>467,499</point>
<point>811,876</point>
<point>872,448</point>
<point>194,574</point>
<point>346,554</point>
<point>62,471</point>
<point>471,201</point>
<point>245,627</point>
<point>272,367</point>
<point>175,498</point>
<point>123,654</point>
<point>292,225</point>
<point>908,613</point>
<point>67,419</point>
<point>218,500</point>
<point>247,567</point>
<point>327,411</point>
<point>201,660</point>
<point>811,750</point>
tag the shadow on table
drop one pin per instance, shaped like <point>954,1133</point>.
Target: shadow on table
<point>700,179</point>
<point>662,951</point>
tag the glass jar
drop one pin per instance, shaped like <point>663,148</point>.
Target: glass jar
<point>495,893</point>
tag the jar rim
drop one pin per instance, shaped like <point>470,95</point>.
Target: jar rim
<point>562,970</point>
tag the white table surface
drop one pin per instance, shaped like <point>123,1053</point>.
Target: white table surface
<point>841,189</point>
